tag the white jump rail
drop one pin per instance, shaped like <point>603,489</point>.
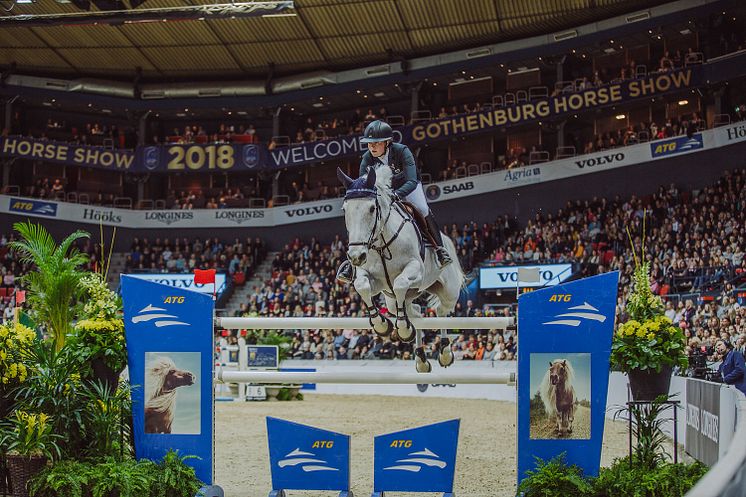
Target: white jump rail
<point>375,377</point>
<point>285,323</point>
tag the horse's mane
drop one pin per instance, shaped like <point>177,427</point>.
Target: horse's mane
<point>383,181</point>
<point>155,397</point>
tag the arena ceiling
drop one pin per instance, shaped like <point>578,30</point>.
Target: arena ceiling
<point>317,35</point>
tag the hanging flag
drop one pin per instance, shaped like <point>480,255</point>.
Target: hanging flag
<point>204,276</point>
<point>20,297</point>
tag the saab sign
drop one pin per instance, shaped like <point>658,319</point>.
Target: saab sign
<point>183,281</point>
<point>507,276</point>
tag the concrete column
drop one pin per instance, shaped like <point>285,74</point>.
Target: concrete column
<point>276,122</point>
<point>8,119</point>
<point>561,134</point>
<point>142,128</point>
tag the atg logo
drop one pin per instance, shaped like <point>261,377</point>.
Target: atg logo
<point>33,207</point>
<point>676,145</point>
<point>578,313</point>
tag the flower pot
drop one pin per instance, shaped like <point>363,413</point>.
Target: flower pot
<point>105,374</point>
<point>648,384</point>
<point>21,469</point>
<point>4,478</point>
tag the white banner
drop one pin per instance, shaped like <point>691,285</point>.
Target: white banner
<point>184,281</point>
<point>507,276</point>
<point>326,209</point>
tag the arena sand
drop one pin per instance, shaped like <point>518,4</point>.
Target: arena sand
<point>485,464</point>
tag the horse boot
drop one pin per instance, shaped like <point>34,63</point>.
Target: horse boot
<point>441,253</point>
<point>346,272</point>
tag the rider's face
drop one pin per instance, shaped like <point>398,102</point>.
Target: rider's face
<point>377,149</point>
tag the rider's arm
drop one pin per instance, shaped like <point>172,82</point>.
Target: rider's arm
<point>365,163</point>
<point>410,170</point>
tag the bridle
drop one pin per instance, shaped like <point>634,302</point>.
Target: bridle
<point>384,248</point>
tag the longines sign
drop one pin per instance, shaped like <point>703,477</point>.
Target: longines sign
<point>327,209</point>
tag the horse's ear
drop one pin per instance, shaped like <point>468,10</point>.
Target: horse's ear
<point>371,180</point>
<point>550,364</point>
<point>564,362</point>
<point>343,178</point>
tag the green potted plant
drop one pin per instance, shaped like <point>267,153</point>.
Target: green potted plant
<point>54,285</point>
<point>648,346</point>
<point>29,443</point>
<point>99,340</point>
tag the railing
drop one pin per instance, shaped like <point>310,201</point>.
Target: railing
<point>727,478</point>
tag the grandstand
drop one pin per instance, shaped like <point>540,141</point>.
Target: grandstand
<point>542,130</point>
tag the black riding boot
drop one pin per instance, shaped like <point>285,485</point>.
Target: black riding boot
<point>346,272</point>
<point>440,251</point>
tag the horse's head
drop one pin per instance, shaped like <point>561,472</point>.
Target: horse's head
<point>558,372</point>
<point>362,212</point>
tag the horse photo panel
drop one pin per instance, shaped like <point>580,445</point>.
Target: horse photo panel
<point>560,396</point>
<point>172,393</point>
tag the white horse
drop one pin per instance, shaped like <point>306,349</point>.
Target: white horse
<point>384,247</point>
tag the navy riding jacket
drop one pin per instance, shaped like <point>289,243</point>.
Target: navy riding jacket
<point>403,165</point>
<point>733,370</point>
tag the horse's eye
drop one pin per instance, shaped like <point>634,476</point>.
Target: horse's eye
<point>372,209</point>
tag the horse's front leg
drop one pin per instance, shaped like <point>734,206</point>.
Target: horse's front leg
<point>409,278</point>
<point>364,286</point>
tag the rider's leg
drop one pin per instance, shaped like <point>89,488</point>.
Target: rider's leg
<point>417,198</point>
<point>346,272</point>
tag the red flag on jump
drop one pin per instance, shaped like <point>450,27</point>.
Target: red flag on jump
<point>20,297</point>
<point>204,276</point>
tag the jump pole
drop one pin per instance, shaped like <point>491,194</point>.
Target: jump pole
<point>290,323</point>
<point>373,377</point>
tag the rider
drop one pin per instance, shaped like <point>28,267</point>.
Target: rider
<point>405,182</point>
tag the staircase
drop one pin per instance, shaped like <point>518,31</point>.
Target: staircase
<point>116,267</point>
<point>241,294</point>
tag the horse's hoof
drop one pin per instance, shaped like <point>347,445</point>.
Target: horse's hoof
<point>405,330</point>
<point>445,354</point>
<point>382,328</point>
<point>421,364</point>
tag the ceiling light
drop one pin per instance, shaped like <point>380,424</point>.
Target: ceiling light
<point>620,117</point>
<point>683,102</point>
<point>379,94</point>
<point>289,14</point>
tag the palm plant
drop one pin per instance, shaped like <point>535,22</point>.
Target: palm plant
<point>54,286</point>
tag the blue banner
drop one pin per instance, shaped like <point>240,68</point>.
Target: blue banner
<point>72,154</point>
<point>678,145</point>
<point>421,459</point>
<point>563,371</point>
<point>28,206</point>
<point>302,457</point>
<point>170,351</point>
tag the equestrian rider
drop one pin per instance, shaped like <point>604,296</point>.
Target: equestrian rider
<point>405,182</point>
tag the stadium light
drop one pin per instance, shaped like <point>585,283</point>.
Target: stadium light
<point>683,102</point>
<point>620,116</point>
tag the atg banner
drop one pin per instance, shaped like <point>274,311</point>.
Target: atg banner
<point>563,371</point>
<point>67,153</point>
<point>302,457</point>
<point>170,351</point>
<point>421,459</point>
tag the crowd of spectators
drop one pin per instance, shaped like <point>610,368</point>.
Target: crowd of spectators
<point>223,133</point>
<point>694,240</point>
<point>181,255</point>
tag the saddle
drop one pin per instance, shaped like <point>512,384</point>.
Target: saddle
<point>426,236</point>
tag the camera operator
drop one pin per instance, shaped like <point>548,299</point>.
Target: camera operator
<point>733,368</point>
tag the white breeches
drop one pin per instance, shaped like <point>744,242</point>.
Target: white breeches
<point>417,197</point>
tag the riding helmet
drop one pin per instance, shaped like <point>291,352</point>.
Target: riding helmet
<point>377,131</point>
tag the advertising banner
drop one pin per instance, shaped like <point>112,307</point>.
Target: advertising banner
<point>563,371</point>
<point>421,459</point>
<point>25,147</point>
<point>170,353</point>
<point>507,276</point>
<point>703,420</point>
<point>302,457</point>
<point>184,281</point>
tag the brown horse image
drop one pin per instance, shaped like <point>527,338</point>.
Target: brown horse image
<point>162,378</point>
<point>558,395</point>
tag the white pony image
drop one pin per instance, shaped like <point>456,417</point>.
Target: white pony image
<point>558,395</point>
<point>162,379</point>
<point>384,247</point>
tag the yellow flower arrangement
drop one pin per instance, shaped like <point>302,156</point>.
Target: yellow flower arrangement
<point>17,340</point>
<point>29,434</point>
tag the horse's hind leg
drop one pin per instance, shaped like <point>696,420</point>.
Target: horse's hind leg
<point>421,364</point>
